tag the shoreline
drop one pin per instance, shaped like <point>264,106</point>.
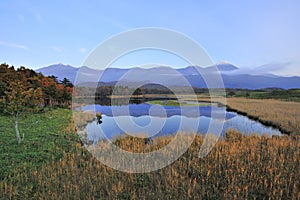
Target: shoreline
<point>257,119</point>
<point>253,117</point>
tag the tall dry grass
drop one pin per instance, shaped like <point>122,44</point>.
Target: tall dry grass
<point>282,114</point>
<point>238,167</point>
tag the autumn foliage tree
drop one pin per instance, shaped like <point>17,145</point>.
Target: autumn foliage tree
<point>23,91</point>
<point>20,99</point>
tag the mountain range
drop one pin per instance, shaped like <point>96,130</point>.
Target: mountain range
<point>168,76</point>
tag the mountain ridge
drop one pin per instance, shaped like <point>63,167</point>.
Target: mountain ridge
<point>170,77</point>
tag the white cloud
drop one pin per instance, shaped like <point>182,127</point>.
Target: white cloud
<point>270,68</point>
<point>82,50</point>
<point>13,45</point>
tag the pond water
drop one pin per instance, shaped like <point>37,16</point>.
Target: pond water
<point>156,120</point>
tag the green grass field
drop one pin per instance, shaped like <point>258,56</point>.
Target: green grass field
<point>286,95</point>
<point>177,103</point>
<point>46,137</point>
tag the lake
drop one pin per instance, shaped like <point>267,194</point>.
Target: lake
<point>158,120</point>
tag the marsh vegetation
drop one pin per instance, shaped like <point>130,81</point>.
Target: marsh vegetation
<point>52,164</point>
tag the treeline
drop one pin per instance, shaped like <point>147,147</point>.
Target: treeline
<point>267,93</point>
<point>107,90</point>
<point>48,90</point>
<point>104,91</point>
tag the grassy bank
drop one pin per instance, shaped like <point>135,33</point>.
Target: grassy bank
<point>46,136</point>
<point>280,114</point>
<point>177,103</point>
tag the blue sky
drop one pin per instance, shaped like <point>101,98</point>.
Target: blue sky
<point>248,34</point>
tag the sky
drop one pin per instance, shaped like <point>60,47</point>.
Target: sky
<point>249,34</point>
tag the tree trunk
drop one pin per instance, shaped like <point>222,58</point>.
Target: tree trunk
<point>17,131</point>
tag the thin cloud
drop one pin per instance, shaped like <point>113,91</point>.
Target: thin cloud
<point>269,68</point>
<point>13,45</point>
<point>21,18</point>
<point>57,49</point>
<point>272,67</point>
<point>82,50</point>
<point>39,18</point>
<point>116,23</point>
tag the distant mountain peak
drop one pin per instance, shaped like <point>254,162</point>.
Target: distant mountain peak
<point>58,66</point>
<point>60,70</point>
<point>226,66</point>
<point>223,62</point>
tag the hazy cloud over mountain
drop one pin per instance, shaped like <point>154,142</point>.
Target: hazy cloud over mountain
<point>267,69</point>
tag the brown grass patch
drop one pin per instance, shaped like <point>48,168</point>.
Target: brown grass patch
<point>281,114</point>
<point>238,167</point>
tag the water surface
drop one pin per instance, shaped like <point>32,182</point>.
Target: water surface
<point>155,120</point>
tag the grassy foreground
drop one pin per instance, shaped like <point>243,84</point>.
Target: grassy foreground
<point>51,164</point>
<point>47,136</point>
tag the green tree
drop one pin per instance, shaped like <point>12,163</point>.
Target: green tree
<point>138,91</point>
<point>231,93</point>
<point>20,99</point>
<point>54,78</point>
<point>65,96</point>
<point>66,83</point>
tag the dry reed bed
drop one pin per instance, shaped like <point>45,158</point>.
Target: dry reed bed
<point>281,114</point>
<point>238,167</point>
